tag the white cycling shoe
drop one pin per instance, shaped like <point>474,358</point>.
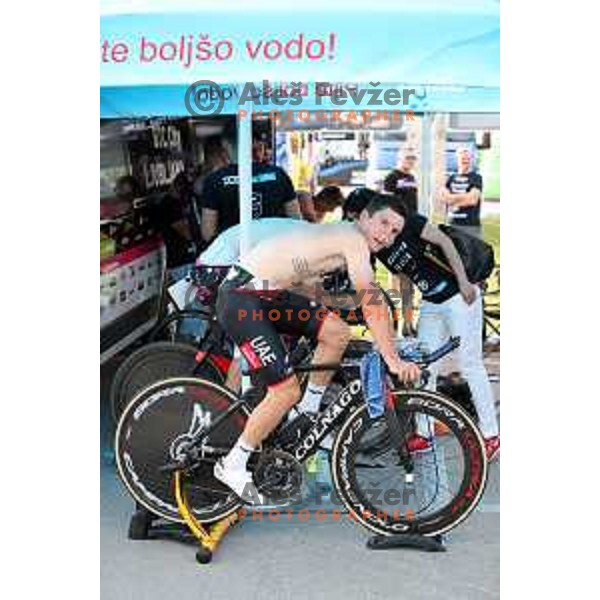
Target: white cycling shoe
<point>240,482</point>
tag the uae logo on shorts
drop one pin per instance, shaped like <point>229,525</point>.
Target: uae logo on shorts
<point>258,352</point>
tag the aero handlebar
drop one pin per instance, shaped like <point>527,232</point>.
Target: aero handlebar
<point>449,346</point>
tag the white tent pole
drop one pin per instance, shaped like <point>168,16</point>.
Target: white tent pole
<point>425,185</point>
<point>244,161</point>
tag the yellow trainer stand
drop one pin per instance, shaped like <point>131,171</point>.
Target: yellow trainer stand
<point>208,538</point>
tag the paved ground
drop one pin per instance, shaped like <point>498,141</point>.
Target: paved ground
<point>288,560</point>
<point>294,560</point>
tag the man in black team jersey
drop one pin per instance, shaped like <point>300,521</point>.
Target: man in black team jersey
<point>450,306</point>
<point>462,195</point>
<point>402,181</point>
<point>273,195</point>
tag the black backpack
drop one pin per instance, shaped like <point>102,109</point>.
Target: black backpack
<point>477,256</point>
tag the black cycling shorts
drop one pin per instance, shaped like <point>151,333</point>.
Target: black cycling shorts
<point>255,318</point>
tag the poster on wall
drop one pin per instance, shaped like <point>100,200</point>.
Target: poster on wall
<point>157,153</point>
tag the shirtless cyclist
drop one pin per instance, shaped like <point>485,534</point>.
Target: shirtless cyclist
<point>255,304</point>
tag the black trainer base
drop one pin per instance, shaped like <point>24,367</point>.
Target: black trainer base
<point>408,540</point>
<point>144,525</point>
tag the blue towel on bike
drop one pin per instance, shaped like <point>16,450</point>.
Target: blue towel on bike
<point>372,375</point>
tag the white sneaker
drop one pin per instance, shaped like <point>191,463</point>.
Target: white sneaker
<point>240,481</point>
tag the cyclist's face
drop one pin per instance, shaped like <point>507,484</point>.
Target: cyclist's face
<point>381,228</point>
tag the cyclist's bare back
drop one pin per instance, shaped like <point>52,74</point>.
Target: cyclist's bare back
<point>301,257</point>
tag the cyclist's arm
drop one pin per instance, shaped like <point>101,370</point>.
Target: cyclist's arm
<point>377,316</point>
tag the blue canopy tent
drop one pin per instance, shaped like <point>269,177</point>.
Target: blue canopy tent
<point>447,52</point>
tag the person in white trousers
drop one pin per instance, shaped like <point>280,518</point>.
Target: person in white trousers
<point>451,305</point>
<point>455,317</point>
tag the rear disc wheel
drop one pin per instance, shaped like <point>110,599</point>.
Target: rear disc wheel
<point>154,431</point>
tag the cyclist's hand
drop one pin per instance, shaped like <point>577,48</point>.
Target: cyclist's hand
<point>469,292</point>
<point>405,371</point>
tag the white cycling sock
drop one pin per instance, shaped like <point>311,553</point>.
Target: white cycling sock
<point>238,456</point>
<point>312,398</point>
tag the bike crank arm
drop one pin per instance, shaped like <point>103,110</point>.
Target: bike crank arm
<point>193,461</point>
